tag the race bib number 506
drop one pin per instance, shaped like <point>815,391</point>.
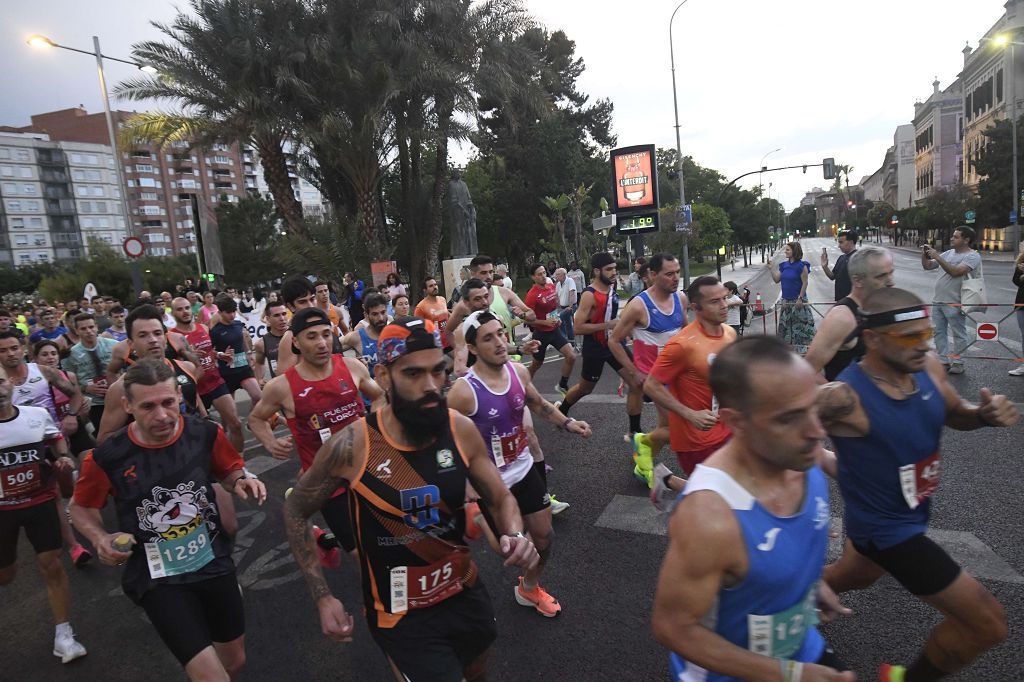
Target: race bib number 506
<point>20,481</point>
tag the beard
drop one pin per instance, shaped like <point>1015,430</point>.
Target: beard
<point>606,280</point>
<point>421,424</point>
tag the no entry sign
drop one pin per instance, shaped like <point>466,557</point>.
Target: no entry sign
<point>988,331</point>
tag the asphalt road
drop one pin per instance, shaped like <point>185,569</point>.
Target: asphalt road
<point>604,568</point>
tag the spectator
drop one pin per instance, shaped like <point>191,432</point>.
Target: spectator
<point>576,275</point>
<point>847,240</point>
<point>401,306</point>
<point>501,276</point>
<point>796,320</point>
<point>394,286</point>
<point>7,324</point>
<point>550,267</point>
<point>208,309</point>
<point>735,303</point>
<point>1018,280</point>
<point>354,289</point>
<point>568,296</point>
<point>957,265</point>
<point>635,282</point>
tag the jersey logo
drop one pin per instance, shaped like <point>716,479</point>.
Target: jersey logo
<point>928,395</point>
<point>493,412</point>
<point>305,391</point>
<point>821,516</point>
<point>175,512</point>
<point>445,459</point>
<point>769,540</point>
<point>383,469</point>
<point>129,474</point>
<point>419,505</point>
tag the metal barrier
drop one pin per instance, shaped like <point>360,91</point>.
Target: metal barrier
<point>996,314</point>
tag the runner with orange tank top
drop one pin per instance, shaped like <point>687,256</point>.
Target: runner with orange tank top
<point>319,396</point>
<point>407,466</point>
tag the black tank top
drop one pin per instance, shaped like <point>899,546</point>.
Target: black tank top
<point>271,344</point>
<point>409,530</point>
<point>164,493</point>
<point>843,358</point>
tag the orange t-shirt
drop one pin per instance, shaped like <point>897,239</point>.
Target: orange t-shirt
<point>436,312</point>
<point>684,365</point>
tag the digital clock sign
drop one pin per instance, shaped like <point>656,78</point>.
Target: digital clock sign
<point>638,223</point>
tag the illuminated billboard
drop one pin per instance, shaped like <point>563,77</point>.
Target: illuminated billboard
<point>634,179</point>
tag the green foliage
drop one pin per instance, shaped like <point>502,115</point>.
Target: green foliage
<point>803,218</point>
<point>881,214</point>
<point>995,161</point>
<point>24,279</point>
<point>333,248</point>
<point>249,238</point>
<point>104,267</point>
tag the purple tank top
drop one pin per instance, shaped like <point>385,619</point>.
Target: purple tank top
<point>499,419</point>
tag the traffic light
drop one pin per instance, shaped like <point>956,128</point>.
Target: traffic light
<point>828,167</point>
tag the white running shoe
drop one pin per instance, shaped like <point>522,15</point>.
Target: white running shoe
<point>67,648</point>
<point>1019,372</point>
<point>662,497</point>
<point>557,506</point>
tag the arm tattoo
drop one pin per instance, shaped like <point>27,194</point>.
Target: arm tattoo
<point>309,494</point>
<point>59,382</point>
<point>836,402</point>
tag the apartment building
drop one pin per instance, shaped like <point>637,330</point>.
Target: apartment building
<point>55,197</point>
<point>938,140</point>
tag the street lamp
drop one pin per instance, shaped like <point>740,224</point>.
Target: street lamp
<point>1003,40</point>
<point>679,148</point>
<point>763,167</point>
<point>42,42</point>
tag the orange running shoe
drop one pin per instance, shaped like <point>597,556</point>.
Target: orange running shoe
<point>539,599</point>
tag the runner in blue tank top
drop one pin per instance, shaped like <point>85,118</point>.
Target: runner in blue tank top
<point>740,591</point>
<point>885,416</point>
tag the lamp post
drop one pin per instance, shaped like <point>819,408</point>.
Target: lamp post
<point>40,41</point>
<point>764,167</point>
<point>679,148</point>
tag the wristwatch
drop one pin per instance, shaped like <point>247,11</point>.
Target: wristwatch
<point>518,534</point>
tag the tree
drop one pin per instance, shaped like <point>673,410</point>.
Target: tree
<point>249,228</point>
<point>994,161</point>
<point>880,215</point>
<point>943,210</point>
<point>701,184</point>
<point>711,227</point>
<point>803,218</point>
<point>228,65</point>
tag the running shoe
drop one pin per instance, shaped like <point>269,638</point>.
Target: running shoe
<point>473,531</point>
<point>67,648</point>
<point>539,599</point>
<point>644,459</point>
<point>80,556</point>
<point>557,507</point>
<point>561,391</point>
<point>956,369</point>
<point>327,548</point>
<point>1018,372</point>
<point>288,492</point>
<point>662,496</point>
<point>888,672</point>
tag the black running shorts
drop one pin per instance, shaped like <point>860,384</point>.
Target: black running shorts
<point>593,365</point>
<point>193,616</point>
<point>919,564</point>
<point>233,378</point>
<point>438,643</point>
<point>339,519</point>
<point>42,528</point>
<point>213,394</point>
<point>531,495</point>
<point>554,338</point>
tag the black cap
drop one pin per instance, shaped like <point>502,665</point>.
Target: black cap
<point>306,318</point>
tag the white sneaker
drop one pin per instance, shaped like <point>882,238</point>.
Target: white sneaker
<point>662,497</point>
<point>1019,372</point>
<point>557,506</point>
<point>67,648</point>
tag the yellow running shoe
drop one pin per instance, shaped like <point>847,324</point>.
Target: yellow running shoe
<point>644,459</point>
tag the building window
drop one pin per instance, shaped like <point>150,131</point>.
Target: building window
<point>221,159</point>
<point>148,196</point>
<point>96,191</point>
<point>43,257</point>
<point>147,182</point>
<point>83,191</point>
<point>22,155</point>
<point>17,223</point>
<point>7,171</point>
<point>35,222</point>
<point>28,189</point>
<point>999,85</point>
<point>25,257</point>
<point>26,172</point>
<point>13,205</point>
<point>10,188</point>
<point>143,168</point>
<point>5,153</point>
<point>21,240</point>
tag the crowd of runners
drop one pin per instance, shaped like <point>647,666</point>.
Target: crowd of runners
<point>414,428</point>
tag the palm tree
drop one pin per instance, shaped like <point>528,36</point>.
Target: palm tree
<point>227,67</point>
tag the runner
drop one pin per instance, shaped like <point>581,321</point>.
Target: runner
<point>28,500</point>
<point>594,320</point>
<point>408,465</point>
<point>88,359</point>
<point>741,579</point>
<point>402,307</point>
<point>50,328</point>
<point>503,302</point>
<point>646,320</point>
<point>212,389</point>
<point>493,394</point>
<point>297,293</point>
<point>176,348</point>
<point>364,339</point>
<point>160,472</point>
<point>885,416</point>
<point>8,322</point>
<point>264,351</point>
<point>679,380</point>
<point>433,307</point>
<point>233,345</point>
<point>542,299</point>
<point>322,292</point>
<point>838,341</point>
<point>33,383</point>
<point>116,330</point>
<point>319,396</point>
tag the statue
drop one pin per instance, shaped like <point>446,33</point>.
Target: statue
<point>462,214</point>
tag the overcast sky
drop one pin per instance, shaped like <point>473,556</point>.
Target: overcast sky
<point>814,78</point>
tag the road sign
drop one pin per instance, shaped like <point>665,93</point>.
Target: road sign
<point>133,247</point>
<point>1013,217</point>
<point>684,218</point>
<point>988,331</point>
<point>970,216</point>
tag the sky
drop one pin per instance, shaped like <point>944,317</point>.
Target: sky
<point>816,79</point>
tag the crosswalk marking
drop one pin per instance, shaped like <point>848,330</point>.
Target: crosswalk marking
<point>637,515</point>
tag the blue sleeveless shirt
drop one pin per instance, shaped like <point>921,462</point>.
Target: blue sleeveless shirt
<point>772,610</point>
<point>369,350</point>
<point>887,477</point>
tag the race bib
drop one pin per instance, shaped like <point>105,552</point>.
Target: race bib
<point>186,554</point>
<point>920,480</point>
<point>325,435</point>
<point>273,366</point>
<point>240,360</point>
<point>506,449</point>
<point>417,587</point>
<point>781,635</point>
<point>21,481</point>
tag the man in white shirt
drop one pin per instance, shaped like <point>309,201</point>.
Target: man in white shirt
<point>501,273</point>
<point>565,289</point>
<point>957,264</point>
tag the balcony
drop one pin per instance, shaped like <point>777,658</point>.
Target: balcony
<point>50,157</point>
<point>53,175</point>
<point>59,207</point>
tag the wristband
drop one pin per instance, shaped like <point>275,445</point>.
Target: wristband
<point>565,424</point>
<point>791,671</point>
